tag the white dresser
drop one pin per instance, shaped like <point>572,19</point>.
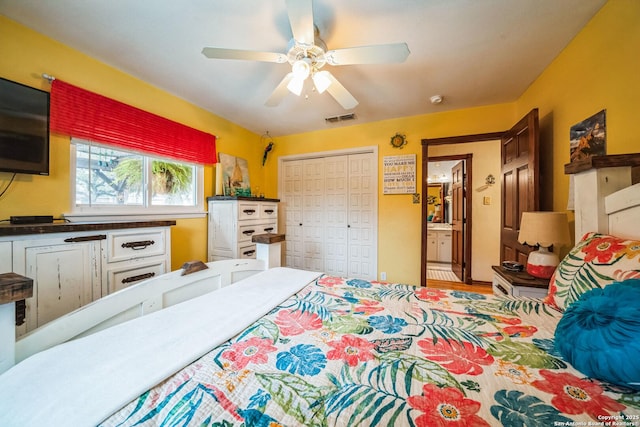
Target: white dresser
<point>234,220</point>
<point>72,264</point>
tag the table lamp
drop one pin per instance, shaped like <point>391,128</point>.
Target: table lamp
<point>543,229</point>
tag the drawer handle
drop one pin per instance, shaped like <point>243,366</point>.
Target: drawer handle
<point>501,289</point>
<point>248,232</point>
<point>138,277</point>
<point>249,253</point>
<point>249,211</point>
<point>268,229</point>
<point>136,246</point>
<point>269,211</point>
<point>85,238</point>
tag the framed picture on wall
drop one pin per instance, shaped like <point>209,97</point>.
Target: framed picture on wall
<point>589,137</point>
<point>235,175</point>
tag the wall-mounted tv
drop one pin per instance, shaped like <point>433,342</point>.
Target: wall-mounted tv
<point>24,129</point>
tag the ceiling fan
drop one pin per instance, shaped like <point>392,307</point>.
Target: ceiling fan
<point>308,54</point>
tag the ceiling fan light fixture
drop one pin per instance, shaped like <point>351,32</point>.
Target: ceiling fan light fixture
<point>301,68</point>
<point>295,85</point>
<point>321,80</point>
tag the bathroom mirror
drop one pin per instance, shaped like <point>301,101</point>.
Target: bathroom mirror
<point>435,205</point>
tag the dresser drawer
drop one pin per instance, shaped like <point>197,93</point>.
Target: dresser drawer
<point>121,276</point>
<point>502,287</point>
<point>248,230</point>
<point>257,210</point>
<point>248,210</point>
<point>268,210</point>
<point>135,244</point>
<point>247,251</point>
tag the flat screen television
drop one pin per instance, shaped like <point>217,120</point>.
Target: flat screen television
<point>24,129</point>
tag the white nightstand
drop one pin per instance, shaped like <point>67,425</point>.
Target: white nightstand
<point>518,284</point>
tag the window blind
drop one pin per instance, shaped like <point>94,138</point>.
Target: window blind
<point>83,114</point>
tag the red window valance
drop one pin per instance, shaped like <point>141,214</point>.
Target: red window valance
<point>82,114</point>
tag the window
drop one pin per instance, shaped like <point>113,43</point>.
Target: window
<point>117,181</point>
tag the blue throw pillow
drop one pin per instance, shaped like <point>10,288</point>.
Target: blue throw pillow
<point>599,334</point>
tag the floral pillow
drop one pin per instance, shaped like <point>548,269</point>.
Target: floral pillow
<point>596,261</point>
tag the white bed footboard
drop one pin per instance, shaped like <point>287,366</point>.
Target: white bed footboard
<point>135,301</point>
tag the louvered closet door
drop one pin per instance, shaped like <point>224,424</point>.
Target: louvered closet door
<point>313,215</point>
<point>291,209</point>
<point>362,224</point>
<point>336,230</point>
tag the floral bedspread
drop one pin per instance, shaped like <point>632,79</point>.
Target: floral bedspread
<point>351,352</point>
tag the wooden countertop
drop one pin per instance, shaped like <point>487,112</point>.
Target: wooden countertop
<point>252,199</point>
<point>521,278</point>
<point>67,227</point>
<point>598,162</point>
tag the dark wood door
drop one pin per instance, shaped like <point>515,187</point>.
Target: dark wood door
<point>520,183</point>
<point>458,220</point>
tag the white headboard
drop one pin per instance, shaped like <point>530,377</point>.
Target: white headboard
<point>623,211</point>
<point>596,183</point>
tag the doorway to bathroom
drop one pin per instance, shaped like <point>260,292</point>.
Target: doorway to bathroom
<point>446,217</point>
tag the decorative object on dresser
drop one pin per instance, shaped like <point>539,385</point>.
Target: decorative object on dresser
<point>512,266</point>
<point>518,283</point>
<point>233,221</point>
<point>235,175</point>
<point>543,229</point>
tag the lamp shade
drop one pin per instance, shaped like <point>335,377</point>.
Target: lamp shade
<point>544,229</point>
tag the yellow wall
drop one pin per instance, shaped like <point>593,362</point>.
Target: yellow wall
<point>27,54</point>
<point>599,69</point>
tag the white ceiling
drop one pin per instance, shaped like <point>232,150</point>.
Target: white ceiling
<point>472,52</point>
<point>440,171</point>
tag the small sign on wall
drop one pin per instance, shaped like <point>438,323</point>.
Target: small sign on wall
<point>399,174</point>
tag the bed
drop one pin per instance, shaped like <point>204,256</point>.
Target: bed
<point>297,348</point>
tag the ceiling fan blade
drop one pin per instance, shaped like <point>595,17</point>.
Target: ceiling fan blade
<point>250,55</point>
<point>279,92</point>
<point>301,19</point>
<point>340,93</point>
<point>377,54</point>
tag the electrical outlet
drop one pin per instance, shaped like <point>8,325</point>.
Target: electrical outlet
<point>383,275</point>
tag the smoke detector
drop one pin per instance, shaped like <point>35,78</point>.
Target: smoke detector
<point>436,99</point>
